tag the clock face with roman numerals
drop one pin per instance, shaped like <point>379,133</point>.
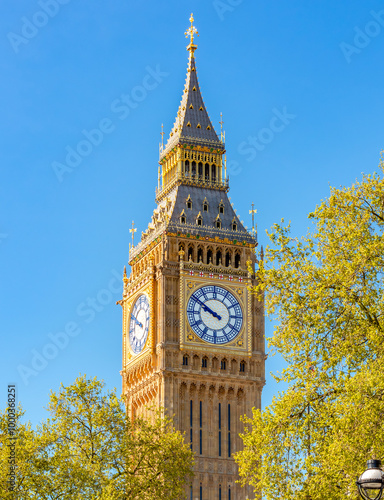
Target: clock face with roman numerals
<point>214,314</point>
<point>139,324</point>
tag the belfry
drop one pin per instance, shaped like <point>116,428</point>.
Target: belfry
<point>193,334</point>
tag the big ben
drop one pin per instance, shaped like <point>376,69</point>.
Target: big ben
<point>193,334</point>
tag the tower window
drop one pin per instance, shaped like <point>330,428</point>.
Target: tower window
<point>219,429</point>
<point>185,360</point>
<point>190,422</point>
<point>206,168</point>
<point>201,108</point>
<point>209,256</point>
<point>199,221</point>
<point>190,253</point>
<point>188,124</point>
<point>229,430</point>
<point>218,224</point>
<point>205,207</point>
<point>214,173</point>
<point>223,364</point>
<point>208,128</point>
<point>204,363</point>
<point>194,89</point>
<point>189,204</point>
<point>200,168</point>
<point>183,219</point>
<point>218,258</point>
<point>191,106</point>
<point>234,226</point>
<point>201,427</point>
<point>242,367</point>
<point>199,255</point>
<point>227,259</point>
<point>198,125</point>
<point>221,208</point>
<point>237,260</point>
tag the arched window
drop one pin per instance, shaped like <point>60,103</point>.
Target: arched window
<point>237,260</point>
<point>200,255</point>
<point>206,171</point>
<point>193,169</point>
<point>213,177</point>
<point>242,367</point>
<point>200,170</point>
<point>204,362</point>
<point>189,202</point>
<point>227,259</point>
<point>209,256</point>
<point>186,168</point>
<point>190,253</point>
<point>218,258</point>
<point>185,360</point>
<point>199,219</point>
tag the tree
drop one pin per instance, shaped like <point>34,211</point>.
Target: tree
<point>90,449</point>
<point>326,293</point>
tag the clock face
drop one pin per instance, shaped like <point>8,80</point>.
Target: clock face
<point>139,324</point>
<point>214,314</point>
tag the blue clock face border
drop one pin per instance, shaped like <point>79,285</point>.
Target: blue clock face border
<point>214,314</point>
<point>139,324</point>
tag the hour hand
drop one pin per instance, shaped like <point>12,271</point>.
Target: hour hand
<point>137,322</point>
<point>208,309</point>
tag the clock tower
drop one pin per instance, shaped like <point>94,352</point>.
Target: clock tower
<point>193,334</point>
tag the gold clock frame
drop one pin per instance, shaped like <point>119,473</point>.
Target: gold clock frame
<point>242,344</point>
<point>128,353</point>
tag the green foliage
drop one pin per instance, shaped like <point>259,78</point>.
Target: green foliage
<point>326,293</point>
<point>90,449</point>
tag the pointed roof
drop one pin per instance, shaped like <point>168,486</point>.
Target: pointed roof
<point>192,124</point>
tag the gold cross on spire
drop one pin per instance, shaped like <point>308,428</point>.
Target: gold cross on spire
<point>162,136</point>
<point>253,212</point>
<point>191,31</point>
<point>222,136</point>
<point>133,231</point>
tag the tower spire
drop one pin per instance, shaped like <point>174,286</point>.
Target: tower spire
<point>192,124</point>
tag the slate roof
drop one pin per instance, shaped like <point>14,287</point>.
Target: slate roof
<point>192,124</point>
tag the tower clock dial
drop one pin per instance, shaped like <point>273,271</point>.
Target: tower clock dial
<point>214,314</point>
<point>139,324</point>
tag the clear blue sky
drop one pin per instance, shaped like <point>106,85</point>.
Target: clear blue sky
<point>62,244</point>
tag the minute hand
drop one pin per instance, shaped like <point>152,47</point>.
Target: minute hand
<point>208,309</point>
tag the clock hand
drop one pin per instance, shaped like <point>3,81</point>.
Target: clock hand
<point>137,322</point>
<point>208,309</point>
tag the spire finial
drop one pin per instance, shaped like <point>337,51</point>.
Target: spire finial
<point>191,31</point>
<point>162,137</point>
<point>133,231</point>
<point>253,212</point>
<point>221,125</point>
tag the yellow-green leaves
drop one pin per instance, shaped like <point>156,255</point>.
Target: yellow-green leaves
<point>326,293</point>
<point>90,450</point>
